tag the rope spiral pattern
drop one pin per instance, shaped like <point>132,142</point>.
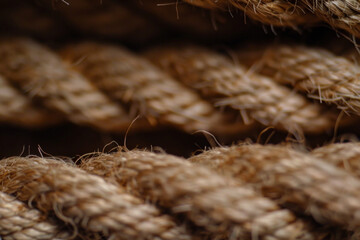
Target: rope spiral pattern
<point>106,86</point>
<point>219,191</point>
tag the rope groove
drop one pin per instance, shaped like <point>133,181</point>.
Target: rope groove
<point>89,84</point>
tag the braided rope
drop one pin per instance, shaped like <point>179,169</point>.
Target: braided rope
<point>228,84</point>
<point>18,222</point>
<point>292,178</point>
<point>85,200</point>
<point>318,72</point>
<point>88,84</point>
<point>211,201</point>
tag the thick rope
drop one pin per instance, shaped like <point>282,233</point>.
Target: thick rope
<point>324,76</point>
<point>84,200</point>
<point>228,84</point>
<point>273,12</point>
<point>343,155</point>
<point>216,203</point>
<point>18,222</point>
<point>342,14</point>
<point>292,178</point>
<point>17,109</point>
<point>143,87</point>
<point>90,85</point>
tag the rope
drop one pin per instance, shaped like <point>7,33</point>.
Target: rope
<point>18,222</point>
<point>88,84</point>
<point>216,203</point>
<point>228,84</point>
<point>292,178</point>
<point>84,200</point>
<point>338,13</point>
<point>324,76</point>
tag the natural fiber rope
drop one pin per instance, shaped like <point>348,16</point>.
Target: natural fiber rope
<point>218,204</point>
<point>343,155</point>
<point>145,89</point>
<point>338,13</point>
<point>274,12</point>
<point>18,222</point>
<point>324,76</point>
<point>84,200</point>
<point>292,178</point>
<point>75,87</point>
<point>228,84</point>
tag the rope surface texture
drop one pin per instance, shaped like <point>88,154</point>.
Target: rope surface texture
<point>222,193</point>
<point>188,87</point>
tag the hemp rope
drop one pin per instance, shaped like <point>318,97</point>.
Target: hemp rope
<point>342,14</point>
<point>84,200</point>
<point>18,222</point>
<point>229,84</point>
<point>217,203</point>
<point>342,155</point>
<point>324,76</point>
<point>273,12</point>
<point>96,92</point>
<point>292,178</point>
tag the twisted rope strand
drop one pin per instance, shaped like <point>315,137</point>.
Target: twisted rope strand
<point>18,222</point>
<point>17,109</point>
<point>321,74</point>
<point>133,80</point>
<point>273,12</point>
<point>292,178</point>
<point>38,71</point>
<point>255,96</point>
<point>344,155</point>
<point>209,200</point>
<point>85,200</point>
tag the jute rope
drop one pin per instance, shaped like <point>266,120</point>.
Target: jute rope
<point>105,86</point>
<point>229,84</point>
<point>85,200</point>
<point>217,203</point>
<point>343,14</point>
<point>324,76</point>
<point>274,12</point>
<point>19,222</point>
<point>344,155</point>
<point>292,178</point>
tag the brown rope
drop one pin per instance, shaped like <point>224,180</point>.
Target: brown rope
<point>84,200</point>
<point>344,155</point>
<point>17,109</point>
<point>90,86</point>
<point>228,84</point>
<point>216,203</point>
<point>145,89</point>
<point>324,76</point>
<point>338,13</point>
<point>292,178</point>
<point>18,222</point>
